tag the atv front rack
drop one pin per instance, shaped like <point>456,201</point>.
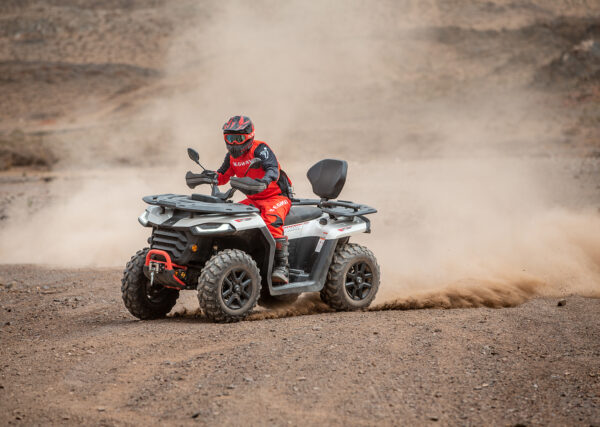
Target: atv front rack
<point>198,204</point>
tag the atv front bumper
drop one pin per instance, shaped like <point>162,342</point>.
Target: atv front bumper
<point>164,272</point>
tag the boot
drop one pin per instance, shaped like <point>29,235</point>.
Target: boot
<point>281,268</point>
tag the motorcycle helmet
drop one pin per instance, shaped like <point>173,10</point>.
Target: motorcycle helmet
<point>238,133</point>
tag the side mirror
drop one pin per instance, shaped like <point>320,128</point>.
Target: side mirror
<point>193,155</point>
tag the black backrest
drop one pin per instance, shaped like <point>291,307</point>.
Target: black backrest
<point>328,177</point>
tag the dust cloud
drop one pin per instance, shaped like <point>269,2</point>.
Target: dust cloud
<point>467,294</point>
<point>463,294</point>
<point>305,305</point>
<point>475,207</point>
<point>491,229</point>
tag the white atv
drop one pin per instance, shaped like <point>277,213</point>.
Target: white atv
<point>225,251</point>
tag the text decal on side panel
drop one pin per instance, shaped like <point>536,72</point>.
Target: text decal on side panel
<point>294,231</point>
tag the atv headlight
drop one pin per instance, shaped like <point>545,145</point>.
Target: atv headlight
<point>143,219</point>
<point>212,228</point>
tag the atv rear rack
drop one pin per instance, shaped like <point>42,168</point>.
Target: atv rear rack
<point>337,208</point>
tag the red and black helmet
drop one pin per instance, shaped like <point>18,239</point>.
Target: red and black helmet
<point>239,135</point>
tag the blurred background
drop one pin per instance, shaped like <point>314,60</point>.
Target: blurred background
<point>473,127</point>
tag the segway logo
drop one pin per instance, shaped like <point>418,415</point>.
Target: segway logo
<point>278,205</point>
<point>240,164</point>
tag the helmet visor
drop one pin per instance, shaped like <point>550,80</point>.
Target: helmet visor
<point>236,138</point>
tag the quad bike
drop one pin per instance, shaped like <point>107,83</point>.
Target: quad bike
<point>225,251</point>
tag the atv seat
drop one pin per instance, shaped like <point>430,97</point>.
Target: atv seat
<point>300,214</point>
<point>328,177</point>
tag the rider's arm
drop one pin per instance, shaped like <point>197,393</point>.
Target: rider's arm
<point>269,163</point>
<point>225,171</point>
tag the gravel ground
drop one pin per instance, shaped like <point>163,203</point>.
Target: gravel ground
<point>67,341</point>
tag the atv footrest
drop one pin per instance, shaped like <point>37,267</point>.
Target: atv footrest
<point>298,276</point>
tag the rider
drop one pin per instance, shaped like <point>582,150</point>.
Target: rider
<point>273,202</point>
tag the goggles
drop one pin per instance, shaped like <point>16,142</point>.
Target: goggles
<point>237,138</point>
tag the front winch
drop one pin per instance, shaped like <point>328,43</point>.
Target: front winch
<point>165,273</point>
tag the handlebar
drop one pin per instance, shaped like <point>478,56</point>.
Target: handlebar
<point>194,179</point>
<point>245,184</point>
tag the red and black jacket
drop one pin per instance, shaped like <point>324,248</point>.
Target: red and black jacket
<point>270,172</point>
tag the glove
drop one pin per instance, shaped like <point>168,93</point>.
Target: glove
<point>209,174</point>
<point>206,177</point>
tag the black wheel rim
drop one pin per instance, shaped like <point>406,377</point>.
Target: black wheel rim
<point>237,289</point>
<point>359,281</point>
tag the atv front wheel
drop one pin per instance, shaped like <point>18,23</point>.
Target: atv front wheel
<point>352,280</point>
<point>229,286</point>
<point>140,299</point>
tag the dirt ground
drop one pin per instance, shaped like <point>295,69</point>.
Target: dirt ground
<point>473,127</point>
<point>71,354</point>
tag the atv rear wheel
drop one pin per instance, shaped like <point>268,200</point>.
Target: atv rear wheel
<point>352,280</point>
<point>229,286</point>
<point>140,299</point>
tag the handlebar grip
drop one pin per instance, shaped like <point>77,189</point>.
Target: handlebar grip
<point>192,179</point>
